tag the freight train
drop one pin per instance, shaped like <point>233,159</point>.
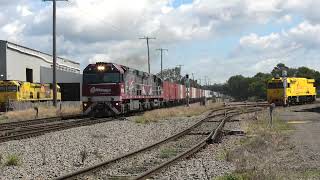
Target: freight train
<point>20,92</point>
<point>113,89</point>
<point>296,91</point>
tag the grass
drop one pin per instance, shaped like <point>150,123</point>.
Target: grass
<point>1,157</point>
<point>181,111</point>
<point>44,112</point>
<point>167,153</point>
<point>223,155</point>
<point>3,118</point>
<point>12,160</point>
<point>266,153</point>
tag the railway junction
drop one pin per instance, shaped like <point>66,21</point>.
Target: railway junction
<point>122,115</point>
<point>195,147</point>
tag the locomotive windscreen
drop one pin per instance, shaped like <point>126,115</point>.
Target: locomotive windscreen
<point>96,78</point>
<point>275,85</point>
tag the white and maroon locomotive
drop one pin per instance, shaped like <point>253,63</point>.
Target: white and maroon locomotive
<point>112,89</point>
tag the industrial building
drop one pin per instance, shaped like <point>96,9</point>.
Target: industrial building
<point>25,64</point>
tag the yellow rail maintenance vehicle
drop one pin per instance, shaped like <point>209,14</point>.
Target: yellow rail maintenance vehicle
<point>20,92</point>
<point>291,90</point>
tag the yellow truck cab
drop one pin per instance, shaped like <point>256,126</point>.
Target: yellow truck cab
<point>297,91</point>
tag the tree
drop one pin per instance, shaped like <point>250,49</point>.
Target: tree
<point>238,87</point>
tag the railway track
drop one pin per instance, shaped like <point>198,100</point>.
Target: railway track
<point>145,162</point>
<point>31,128</point>
<point>13,125</point>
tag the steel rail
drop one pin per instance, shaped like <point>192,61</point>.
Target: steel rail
<point>45,128</point>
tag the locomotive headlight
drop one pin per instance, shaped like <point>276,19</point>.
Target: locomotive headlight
<point>85,104</point>
<point>117,104</point>
<point>101,68</point>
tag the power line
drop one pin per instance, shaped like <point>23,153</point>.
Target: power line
<point>148,38</point>
<point>54,52</point>
<point>161,52</point>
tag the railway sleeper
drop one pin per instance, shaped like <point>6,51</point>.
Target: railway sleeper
<point>199,133</point>
<point>234,132</point>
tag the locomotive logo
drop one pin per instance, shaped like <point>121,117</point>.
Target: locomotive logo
<point>94,90</point>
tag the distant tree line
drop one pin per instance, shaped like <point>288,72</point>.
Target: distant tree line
<point>254,88</point>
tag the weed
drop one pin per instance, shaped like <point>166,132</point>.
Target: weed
<point>223,155</point>
<point>311,174</point>
<point>97,154</point>
<point>12,160</point>
<point>167,153</point>
<point>83,155</point>
<point>1,159</point>
<point>140,120</point>
<point>229,177</point>
<point>257,155</point>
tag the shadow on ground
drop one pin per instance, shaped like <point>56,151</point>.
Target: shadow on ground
<point>316,110</point>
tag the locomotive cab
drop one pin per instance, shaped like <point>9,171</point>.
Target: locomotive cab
<point>8,92</point>
<point>103,85</point>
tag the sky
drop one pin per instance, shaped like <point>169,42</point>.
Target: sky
<point>213,38</point>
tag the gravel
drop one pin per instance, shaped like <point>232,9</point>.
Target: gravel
<point>210,162</point>
<point>57,153</point>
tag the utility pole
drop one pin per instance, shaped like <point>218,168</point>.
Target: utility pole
<point>148,38</point>
<point>180,67</point>
<point>54,52</point>
<point>200,82</point>
<point>161,51</point>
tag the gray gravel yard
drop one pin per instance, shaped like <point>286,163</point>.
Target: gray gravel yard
<point>56,153</point>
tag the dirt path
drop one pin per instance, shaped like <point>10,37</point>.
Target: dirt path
<point>306,136</point>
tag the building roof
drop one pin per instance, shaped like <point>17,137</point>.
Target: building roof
<point>17,45</point>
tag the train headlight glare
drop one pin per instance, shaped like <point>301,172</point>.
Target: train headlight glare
<point>117,104</point>
<point>85,104</point>
<point>101,68</point>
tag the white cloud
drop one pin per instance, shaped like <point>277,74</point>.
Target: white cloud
<point>285,19</point>
<point>13,30</point>
<point>95,30</point>
<point>24,10</point>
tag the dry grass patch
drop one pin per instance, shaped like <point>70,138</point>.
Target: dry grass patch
<point>44,112</point>
<point>266,153</point>
<point>12,160</point>
<point>181,111</point>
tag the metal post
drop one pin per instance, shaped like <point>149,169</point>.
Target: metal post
<point>147,38</point>
<point>284,77</point>
<point>54,53</point>
<point>161,65</point>
<point>271,108</point>
<point>148,56</point>
<point>188,90</point>
<point>161,56</point>
<point>54,67</point>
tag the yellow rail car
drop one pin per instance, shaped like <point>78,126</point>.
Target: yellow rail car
<point>19,91</point>
<point>297,91</point>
